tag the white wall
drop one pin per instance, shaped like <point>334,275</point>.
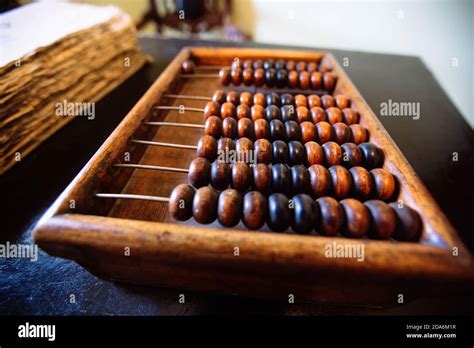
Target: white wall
<point>441,33</point>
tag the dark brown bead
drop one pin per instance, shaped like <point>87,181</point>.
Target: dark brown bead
<point>342,133</point>
<point>273,99</point>
<point>331,216</point>
<point>280,64</point>
<point>207,147</point>
<point>314,153</point>
<point>334,115</point>
<point>181,202</point>
<point>247,76</point>
<point>287,99</point>
<point>270,77</point>
<point>296,153</point>
<point>301,66</point>
<point>301,100</point>
<point>246,98</point>
<point>302,114</point>
<point>263,151</point>
<point>257,112</point>
<point>328,101</point>
<point>313,101</point>
<point>332,153</point>
<point>372,155</point>
<point>205,205</point>
<point>357,218</point>
<point>281,78</point>
<point>293,79</point>
<point>288,113</point>
<point>319,180</point>
<point>224,76</point>
<point>268,64</point>
<point>362,182</point>
<point>349,116</point>
<point>316,80</point>
<point>262,178</point>
<point>244,147</point>
<point>279,213</point>
<point>304,80</point>
<point>261,129</point>
<point>272,112</point>
<point>236,76</point>
<point>233,97</point>
<point>257,64</point>
<point>259,77</point>
<point>281,178</point>
<point>384,183</point>
<point>220,175</point>
<point>383,219</point>
<point>325,132</point>
<point>308,132</point>
<point>342,101</point>
<point>299,179</point>
<point>277,130</point>
<point>290,65</point>
<point>229,128</point>
<point>358,134</point>
<point>255,210</point>
<point>279,152</point>
<point>243,111</point>
<point>341,181</point>
<point>213,126</point>
<point>259,99</point>
<point>329,81</point>
<point>312,67</point>
<point>229,208</point>
<point>241,176</point>
<point>188,67</point>
<point>228,110</point>
<point>409,223</point>
<point>318,114</point>
<point>224,147</point>
<point>292,131</point>
<point>212,108</point>
<point>245,128</point>
<point>351,155</point>
<point>305,214</point>
<point>219,97</point>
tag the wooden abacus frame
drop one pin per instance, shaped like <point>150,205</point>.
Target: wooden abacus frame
<point>96,232</point>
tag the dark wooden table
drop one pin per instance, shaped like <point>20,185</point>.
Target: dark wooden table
<point>45,287</point>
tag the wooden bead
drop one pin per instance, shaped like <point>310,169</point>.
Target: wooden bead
<point>270,77</point>
<point>362,182</point>
<point>245,128</point>
<point>246,98</point>
<point>281,78</point>
<point>243,111</point>
<point>273,99</point>
<point>342,133</point>
<point>358,134</point>
<point>319,180</point>
<point>188,67</point>
<point>259,77</point>
<point>255,210</point>
<point>302,114</point>
<point>278,218</point>
<point>341,181</point>
<point>263,151</point>
<point>229,208</point>
<point>296,153</point>
<point>268,64</point>
<point>332,153</point>
<point>324,67</point>
<point>318,114</point>
<point>207,147</point>
<point>328,101</point>
<point>301,66</point>
<point>281,178</point>
<point>280,64</point>
<point>290,65</point>
<point>213,126</point>
<point>312,67</point>
<point>244,148</point>
<point>314,101</point>
<point>220,175</point>
<point>314,153</point>
<point>357,218</point>
<point>277,130</point>
<point>261,129</point>
<point>228,110</point>
<point>287,99</point>
<point>247,64</point>
<point>247,76</point>
<point>262,178</point>
<point>219,96</point>
<point>409,223</point>
<point>331,216</point>
<point>233,97</point>
<point>199,172</point>
<point>272,112</point>
<point>329,81</point>
<point>241,175</point>
<point>304,79</point>
<point>334,115</point>
<point>299,179</point>
<point>383,219</point>
<point>257,64</point>
<point>229,128</point>
<point>325,132</point>
<point>301,100</point>
<point>308,132</point>
<point>292,131</point>
<point>236,76</point>
<point>351,155</point>
<point>293,79</point>
<point>212,108</point>
<point>279,152</point>
<point>205,205</point>
<point>225,146</point>
<point>224,77</point>
<point>342,101</point>
<point>372,155</point>
<point>305,214</point>
<point>288,113</point>
<point>384,183</point>
<point>236,63</point>
<point>259,99</point>
<point>316,80</point>
<point>349,116</point>
<point>181,202</point>
<point>257,112</point>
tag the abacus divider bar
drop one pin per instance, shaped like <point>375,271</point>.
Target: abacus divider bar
<point>129,196</point>
<point>209,67</point>
<point>147,166</point>
<point>163,107</point>
<point>156,143</point>
<point>175,124</point>
<point>189,97</point>
<point>198,76</point>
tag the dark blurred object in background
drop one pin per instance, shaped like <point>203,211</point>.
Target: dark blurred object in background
<point>7,5</point>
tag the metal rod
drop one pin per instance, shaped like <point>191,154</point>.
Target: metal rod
<point>198,76</point>
<point>156,143</point>
<point>190,97</point>
<point>127,196</point>
<point>146,166</point>
<point>175,124</point>
<point>184,108</point>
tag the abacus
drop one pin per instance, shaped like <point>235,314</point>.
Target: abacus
<point>158,205</point>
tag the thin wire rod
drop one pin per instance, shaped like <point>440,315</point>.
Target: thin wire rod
<point>147,166</point>
<point>190,97</point>
<point>175,124</point>
<point>156,143</point>
<point>184,108</point>
<point>127,196</point>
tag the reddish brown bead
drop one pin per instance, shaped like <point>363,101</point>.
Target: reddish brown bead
<point>319,180</point>
<point>308,132</point>
<point>224,76</point>
<point>362,182</point>
<point>224,146</point>
<point>313,66</point>
<point>245,128</point>
<point>246,98</point>
<point>228,110</point>
<point>247,76</point>
<point>358,134</point>
<point>243,111</point>
<point>229,208</point>
<point>261,129</point>
<point>213,126</point>
<point>247,64</point>
<point>257,112</point>
<point>188,67</point>
<point>313,101</point>
<point>383,219</point>
<point>316,80</point>
<point>304,80</point>
<point>325,132</point>
<point>259,77</point>
<point>199,172</point>
<point>357,218</point>
<point>334,115</point>
<point>236,76</point>
<point>263,151</point>
<point>220,175</point>
<point>205,205</point>
<point>262,178</point>
<point>244,146</point>
<point>341,181</point>
<point>219,96</point>
<point>233,97</point>
<point>350,116</point>
<point>342,101</point>
<point>314,153</point>
<point>229,128</point>
<point>302,114</point>
<point>241,176</point>
<point>293,79</point>
<point>181,202</point>
<point>324,67</point>
<point>332,153</point>
<point>342,132</point>
<point>329,81</point>
<point>207,147</point>
<point>290,65</point>
<point>328,101</point>
<point>409,223</point>
<point>318,114</point>
<point>331,217</point>
<point>384,183</point>
<point>259,99</point>
<point>301,100</point>
<point>211,109</point>
<point>301,66</point>
<point>351,155</point>
<point>255,210</point>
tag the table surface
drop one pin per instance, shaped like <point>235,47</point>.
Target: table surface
<point>45,287</point>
